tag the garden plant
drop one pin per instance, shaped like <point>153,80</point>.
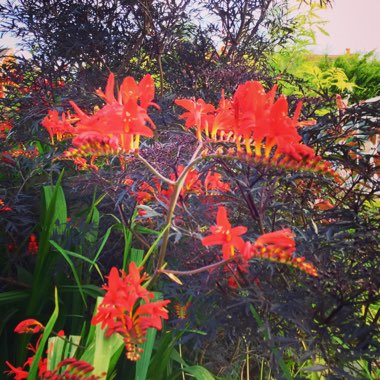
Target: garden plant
<point>168,213</point>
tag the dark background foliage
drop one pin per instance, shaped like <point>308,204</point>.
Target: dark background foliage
<point>80,42</point>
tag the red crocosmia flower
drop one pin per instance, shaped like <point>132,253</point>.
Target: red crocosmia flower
<point>145,193</point>
<point>254,118</point>
<point>124,116</point>
<point>283,239</point>
<point>27,326</point>
<point>93,144</point>
<point>20,373</point>
<point>213,182</point>
<point>72,368</point>
<point>200,115</point>
<point>5,127</point>
<point>121,310</point>
<point>42,365</point>
<point>278,246</point>
<point>29,153</point>
<point>223,234</point>
<point>17,372</point>
<point>33,245</point>
<point>59,127</point>
<point>4,208</point>
<point>192,182</point>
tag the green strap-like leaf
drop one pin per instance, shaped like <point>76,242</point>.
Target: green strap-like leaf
<point>45,336</point>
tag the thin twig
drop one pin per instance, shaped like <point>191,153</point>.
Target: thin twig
<point>195,271</point>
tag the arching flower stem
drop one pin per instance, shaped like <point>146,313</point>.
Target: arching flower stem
<point>196,271</point>
<point>178,185</point>
<point>154,171</point>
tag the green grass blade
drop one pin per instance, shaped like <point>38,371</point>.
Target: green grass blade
<point>45,336</point>
<point>13,296</point>
<point>71,264</point>
<point>199,372</point>
<point>53,209</point>
<point>137,256</point>
<point>142,365</point>
<point>63,348</point>
<point>103,243</point>
<point>94,218</point>
<point>154,245</point>
<point>77,256</point>
<point>90,290</point>
<point>102,351</point>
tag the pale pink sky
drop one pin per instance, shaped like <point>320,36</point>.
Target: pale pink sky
<point>353,24</point>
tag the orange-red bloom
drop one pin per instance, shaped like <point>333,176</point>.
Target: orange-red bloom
<point>17,372</point>
<point>121,311</point>
<point>257,124</point>
<point>278,246</point>
<point>72,368</point>
<point>124,117</point>
<point>192,182</point>
<point>199,115</point>
<point>33,245</point>
<point>3,207</point>
<point>5,127</point>
<point>213,182</point>
<point>29,326</point>
<point>223,234</point>
<point>59,127</point>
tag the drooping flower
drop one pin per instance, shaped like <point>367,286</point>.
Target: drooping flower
<point>72,368</point>
<point>29,326</point>
<point>278,246</point>
<point>93,144</point>
<point>19,152</point>
<point>127,309</point>
<point>283,239</point>
<point>223,234</point>
<point>259,127</point>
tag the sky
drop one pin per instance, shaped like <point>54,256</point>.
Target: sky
<point>353,24</point>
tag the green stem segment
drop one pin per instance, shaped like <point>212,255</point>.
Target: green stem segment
<point>178,185</point>
<point>195,271</point>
